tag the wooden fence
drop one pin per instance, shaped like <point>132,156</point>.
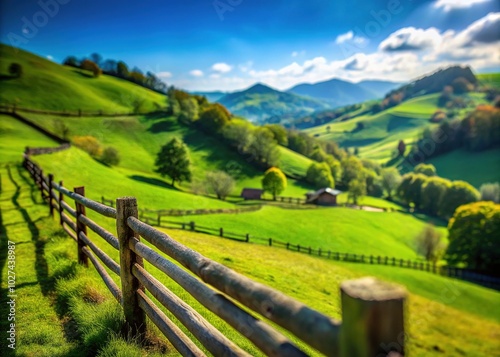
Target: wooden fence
<point>367,303</point>
<point>444,270</point>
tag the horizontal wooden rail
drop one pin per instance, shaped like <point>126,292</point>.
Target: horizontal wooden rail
<point>106,259</point>
<point>113,288</point>
<point>107,236</point>
<point>70,233</point>
<point>208,335</point>
<point>68,208</point>
<point>179,340</point>
<point>314,328</point>
<point>93,205</point>
<point>68,221</point>
<point>266,338</point>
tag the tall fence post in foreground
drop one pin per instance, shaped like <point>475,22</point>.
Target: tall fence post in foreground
<point>80,227</point>
<point>134,316</point>
<point>61,198</point>
<point>51,207</point>
<point>372,318</point>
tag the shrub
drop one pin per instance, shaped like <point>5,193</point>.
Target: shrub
<point>110,156</point>
<point>89,144</point>
<point>490,192</point>
<point>16,70</point>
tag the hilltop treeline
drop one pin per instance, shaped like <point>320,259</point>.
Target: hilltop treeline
<point>97,65</point>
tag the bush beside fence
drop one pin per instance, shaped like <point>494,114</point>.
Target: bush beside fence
<point>359,334</point>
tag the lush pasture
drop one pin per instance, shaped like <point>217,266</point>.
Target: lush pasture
<point>75,88</point>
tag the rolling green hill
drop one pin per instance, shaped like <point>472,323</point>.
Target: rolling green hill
<point>48,85</point>
<point>261,104</point>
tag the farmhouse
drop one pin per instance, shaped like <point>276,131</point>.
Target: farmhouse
<point>324,197</point>
<point>251,194</point>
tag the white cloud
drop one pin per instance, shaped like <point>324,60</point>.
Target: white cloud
<point>50,58</point>
<point>215,76</point>
<point>196,73</point>
<point>222,67</point>
<point>298,53</point>
<point>449,5</point>
<point>411,39</point>
<point>245,67</point>
<point>350,37</point>
<point>164,74</point>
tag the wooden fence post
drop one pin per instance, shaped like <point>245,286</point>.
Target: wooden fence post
<point>80,227</point>
<point>40,177</point>
<point>51,207</point>
<point>373,314</point>
<point>247,238</point>
<point>61,198</point>
<point>134,316</point>
<point>159,220</point>
<point>192,225</point>
<point>270,242</point>
<point>221,232</point>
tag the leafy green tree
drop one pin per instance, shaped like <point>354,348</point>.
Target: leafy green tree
<point>473,235</point>
<point>352,168</point>
<point>219,183</point>
<point>110,156</point>
<point>433,193</point>
<point>214,118</point>
<point>173,161</point>
<point>71,61</point>
<point>461,85</point>
<point>460,193</point>
<point>264,148</point>
<point>410,189</point>
<point>239,135</point>
<point>335,167</point>
<point>356,190</point>
<point>274,181</point>
<point>189,110</point>
<point>401,148</point>
<point>373,183</point>
<point>425,169</point>
<point>89,144</point>
<point>319,174</point>
<point>428,243</point>
<point>490,192</point>
<point>88,65</point>
<point>390,180</point>
<point>279,133</point>
<point>16,70</point>
<point>122,69</point>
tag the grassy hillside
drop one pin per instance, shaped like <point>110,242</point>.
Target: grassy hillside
<point>490,79</point>
<point>48,85</point>
<point>381,132</point>
<point>139,139</point>
<point>475,168</point>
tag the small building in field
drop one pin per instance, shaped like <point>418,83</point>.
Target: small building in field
<point>324,197</point>
<point>251,194</point>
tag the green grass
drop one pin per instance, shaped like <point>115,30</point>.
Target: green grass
<point>335,229</point>
<point>15,136</point>
<point>48,85</point>
<point>490,79</point>
<point>475,168</point>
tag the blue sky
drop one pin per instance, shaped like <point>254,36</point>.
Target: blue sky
<point>231,44</point>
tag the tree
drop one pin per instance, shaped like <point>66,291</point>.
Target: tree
<point>473,235</point>
<point>335,167</point>
<point>390,180</point>
<point>16,70</point>
<point>88,65</point>
<point>490,192</point>
<point>274,181</point>
<point>239,135</point>
<point>122,69</point>
<point>279,133</point>
<point>96,58</point>
<point>461,85</point>
<point>357,189</point>
<point>214,118</point>
<point>351,169</point>
<point>173,161</point>
<point>433,193</point>
<point>428,243</point>
<point>373,183</point>
<point>110,156</point>
<point>219,183</point>
<point>319,174</point>
<point>401,148</point>
<point>71,61</point>
<point>425,169</point>
<point>460,193</point>
<point>264,148</point>
<point>89,144</point>
<point>410,189</point>
<point>189,110</point>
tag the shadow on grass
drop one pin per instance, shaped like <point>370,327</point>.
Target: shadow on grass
<point>153,181</point>
<point>162,126</point>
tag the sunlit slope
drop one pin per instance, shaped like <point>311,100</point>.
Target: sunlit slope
<point>48,85</point>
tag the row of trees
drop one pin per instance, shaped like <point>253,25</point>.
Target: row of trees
<point>97,65</point>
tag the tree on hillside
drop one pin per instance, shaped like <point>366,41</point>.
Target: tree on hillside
<point>189,110</point>
<point>239,135</point>
<point>16,70</point>
<point>319,174</point>
<point>173,161</point>
<point>410,189</point>
<point>71,61</point>
<point>352,168</point>
<point>425,169</point>
<point>214,117</point>
<point>433,193</point>
<point>279,133</point>
<point>219,183</point>
<point>373,183</point>
<point>110,156</point>
<point>401,148</point>
<point>473,235</point>
<point>428,243</point>
<point>264,149</point>
<point>122,69</point>
<point>356,190</point>
<point>89,144</point>
<point>274,181</point>
<point>96,58</point>
<point>460,193</point>
<point>461,85</point>
<point>490,192</point>
<point>88,65</point>
<point>335,167</point>
<point>390,180</point>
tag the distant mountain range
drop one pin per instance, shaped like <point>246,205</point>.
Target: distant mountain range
<point>261,103</point>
